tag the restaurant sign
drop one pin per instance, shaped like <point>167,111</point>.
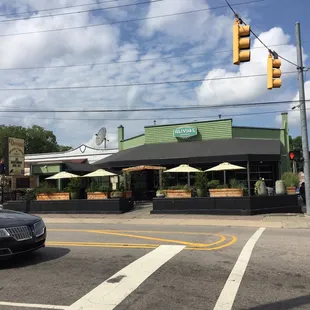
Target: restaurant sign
<point>185,132</point>
<point>15,156</point>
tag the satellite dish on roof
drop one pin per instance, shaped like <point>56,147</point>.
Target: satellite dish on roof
<point>101,135</point>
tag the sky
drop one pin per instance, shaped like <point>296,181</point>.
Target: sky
<point>144,42</point>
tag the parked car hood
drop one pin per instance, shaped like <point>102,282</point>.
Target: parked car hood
<point>10,218</point>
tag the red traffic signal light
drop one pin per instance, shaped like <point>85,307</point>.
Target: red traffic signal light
<point>291,155</point>
<point>295,155</point>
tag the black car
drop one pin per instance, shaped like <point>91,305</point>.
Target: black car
<point>20,233</point>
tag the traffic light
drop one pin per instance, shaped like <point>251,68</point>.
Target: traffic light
<point>241,43</point>
<point>294,155</point>
<point>273,72</point>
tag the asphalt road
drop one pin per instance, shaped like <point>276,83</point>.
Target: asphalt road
<point>85,259</point>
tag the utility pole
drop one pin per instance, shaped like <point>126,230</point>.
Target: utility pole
<point>303,118</point>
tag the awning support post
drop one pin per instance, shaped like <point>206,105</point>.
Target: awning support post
<point>160,178</point>
<point>125,181</point>
<point>248,177</point>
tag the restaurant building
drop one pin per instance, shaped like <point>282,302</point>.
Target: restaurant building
<point>263,151</point>
<point>78,160</point>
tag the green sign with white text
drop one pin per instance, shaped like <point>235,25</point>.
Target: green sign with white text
<point>185,132</point>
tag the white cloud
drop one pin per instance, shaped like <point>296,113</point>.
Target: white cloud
<point>204,32</point>
<point>248,89</point>
<point>204,27</point>
<point>294,114</point>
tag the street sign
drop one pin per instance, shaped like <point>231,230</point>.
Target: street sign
<point>185,132</point>
<point>15,156</point>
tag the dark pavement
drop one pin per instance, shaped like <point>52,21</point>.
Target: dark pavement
<point>79,257</point>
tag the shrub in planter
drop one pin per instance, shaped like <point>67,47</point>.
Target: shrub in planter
<point>29,194</point>
<point>201,183</point>
<point>160,193</point>
<point>96,191</point>
<point>213,184</point>
<point>47,191</point>
<point>117,194</point>
<point>291,181</point>
<point>235,189</point>
<point>74,187</point>
<point>179,191</point>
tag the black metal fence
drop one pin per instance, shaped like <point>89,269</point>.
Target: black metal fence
<point>13,195</point>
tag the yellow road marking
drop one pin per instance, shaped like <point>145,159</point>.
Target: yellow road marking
<point>124,233</point>
<point>116,233</point>
<point>233,240</point>
<point>222,239</point>
<point>133,231</point>
<point>134,245</point>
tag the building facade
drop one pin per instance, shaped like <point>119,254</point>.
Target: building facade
<point>77,160</point>
<point>264,151</point>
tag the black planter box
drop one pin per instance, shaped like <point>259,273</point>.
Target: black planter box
<point>107,206</point>
<point>227,205</point>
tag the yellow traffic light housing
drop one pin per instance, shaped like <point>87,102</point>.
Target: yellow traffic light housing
<point>241,43</point>
<point>273,72</point>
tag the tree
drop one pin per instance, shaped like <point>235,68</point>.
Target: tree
<point>64,148</point>
<point>37,139</point>
<point>296,145</point>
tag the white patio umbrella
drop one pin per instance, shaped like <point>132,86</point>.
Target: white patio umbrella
<point>184,168</point>
<point>225,167</point>
<point>62,175</point>
<point>99,173</point>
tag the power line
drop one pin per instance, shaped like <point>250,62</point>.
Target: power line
<point>257,37</point>
<point>150,119</point>
<point>184,108</point>
<point>58,8</point>
<point>79,12</point>
<point>123,21</point>
<point>140,84</point>
<point>125,61</point>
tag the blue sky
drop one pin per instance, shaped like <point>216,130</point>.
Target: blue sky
<point>198,46</point>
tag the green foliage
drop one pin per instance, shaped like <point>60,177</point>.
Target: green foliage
<point>257,186</point>
<point>117,194</point>
<point>96,187</point>
<point>74,185</point>
<point>64,148</point>
<point>180,187</point>
<point>46,187</point>
<point>290,179</point>
<point>165,180</point>
<point>201,181</point>
<point>161,192</point>
<point>295,144</point>
<point>29,194</point>
<point>37,139</point>
<point>222,186</point>
<point>234,183</point>
<point>213,184</point>
<point>127,180</point>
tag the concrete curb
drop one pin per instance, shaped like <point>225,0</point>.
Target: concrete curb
<point>178,222</point>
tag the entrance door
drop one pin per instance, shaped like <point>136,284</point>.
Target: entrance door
<point>142,185</point>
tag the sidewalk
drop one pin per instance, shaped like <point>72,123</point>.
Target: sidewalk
<point>143,217</point>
